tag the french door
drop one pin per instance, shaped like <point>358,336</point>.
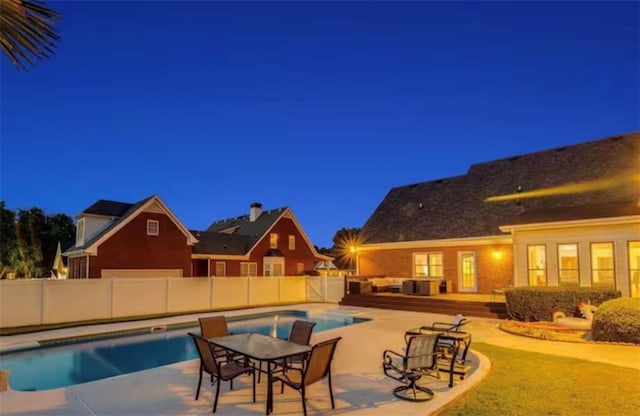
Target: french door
<point>467,272</point>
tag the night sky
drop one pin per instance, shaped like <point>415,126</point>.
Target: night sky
<point>322,107</point>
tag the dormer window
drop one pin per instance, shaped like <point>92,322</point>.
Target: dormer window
<point>153,227</point>
<point>80,232</point>
<point>273,240</point>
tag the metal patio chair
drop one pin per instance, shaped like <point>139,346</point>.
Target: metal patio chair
<point>419,359</point>
<point>219,370</point>
<point>300,334</point>
<point>317,367</point>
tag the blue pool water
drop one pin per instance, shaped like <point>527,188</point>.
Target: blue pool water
<point>73,362</point>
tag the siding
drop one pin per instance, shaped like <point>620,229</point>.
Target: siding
<point>132,248</point>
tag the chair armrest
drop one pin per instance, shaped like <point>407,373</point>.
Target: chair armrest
<point>443,326</point>
<point>388,352</point>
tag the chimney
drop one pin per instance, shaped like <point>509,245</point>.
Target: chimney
<point>255,210</point>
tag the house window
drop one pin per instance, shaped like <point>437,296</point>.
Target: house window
<point>221,269</point>
<point>153,227</point>
<point>537,265</point>
<point>427,264</point>
<point>568,272</point>
<point>273,240</point>
<point>80,232</point>
<point>248,269</point>
<point>299,268</point>
<point>273,266</point>
<point>634,267</point>
<point>435,265</point>
<point>292,242</point>
<point>602,270</point>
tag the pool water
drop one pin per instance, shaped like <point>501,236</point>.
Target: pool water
<point>73,362</point>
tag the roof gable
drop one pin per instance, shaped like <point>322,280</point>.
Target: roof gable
<point>242,226</point>
<point>457,207</point>
<point>232,235</point>
<point>91,245</point>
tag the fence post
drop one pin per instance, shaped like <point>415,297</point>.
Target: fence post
<point>43,298</point>
<point>211,292</point>
<point>166,295</point>
<point>248,290</point>
<point>111,297</point>
<point>279,289</point>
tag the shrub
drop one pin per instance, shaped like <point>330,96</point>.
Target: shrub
<point>539,303</point>
<point>617,320</point>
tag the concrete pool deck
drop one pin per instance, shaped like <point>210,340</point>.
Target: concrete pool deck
<point>359,385</point>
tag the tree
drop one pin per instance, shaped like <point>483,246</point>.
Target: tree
<point>30,228</point>
<point>27,31</point>
<point>59,229</point>
<point>8,238</point>
<point>345,245</point>
<point>29,240</point>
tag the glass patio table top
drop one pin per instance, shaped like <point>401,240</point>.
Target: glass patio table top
<point>260,347</point>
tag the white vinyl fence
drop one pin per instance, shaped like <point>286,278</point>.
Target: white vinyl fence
<point>43,301</point>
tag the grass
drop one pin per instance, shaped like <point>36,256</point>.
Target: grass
<point>527,383</point>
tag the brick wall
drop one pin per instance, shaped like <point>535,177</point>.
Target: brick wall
<point>132,248</point>
<point>492,272</point>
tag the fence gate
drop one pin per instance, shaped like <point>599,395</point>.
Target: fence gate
<point>315,289</point>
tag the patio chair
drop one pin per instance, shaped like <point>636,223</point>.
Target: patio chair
<point>500,291</point>
<point>316,368</point>
<point>212,327</point>
<point>300,334</point>
<point>419,359</point>
<point>219,371</point>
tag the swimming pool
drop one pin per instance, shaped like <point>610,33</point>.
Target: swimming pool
<point>72,362</point>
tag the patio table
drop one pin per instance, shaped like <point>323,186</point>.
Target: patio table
<point>261,348</point>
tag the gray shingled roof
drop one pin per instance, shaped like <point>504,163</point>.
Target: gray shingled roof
<point>111,207</point>
<point>211,242</point>
<point>108,208</point>
<point>456,207</point>
<point>253,231</point>
<point>606,210</point>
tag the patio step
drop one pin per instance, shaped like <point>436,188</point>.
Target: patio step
<point>426,304</point>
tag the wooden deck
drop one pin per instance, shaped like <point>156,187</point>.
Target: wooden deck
<point>482,306</point>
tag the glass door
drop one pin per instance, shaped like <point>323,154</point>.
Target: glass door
<point>467,273</point>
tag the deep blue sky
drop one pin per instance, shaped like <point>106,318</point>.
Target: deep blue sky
<point>322,107</point>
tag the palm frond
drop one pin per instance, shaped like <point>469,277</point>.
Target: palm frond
<point>27,31</point>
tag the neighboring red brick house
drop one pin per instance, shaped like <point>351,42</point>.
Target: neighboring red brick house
<point>121,239</point>
<point>117,239</point>
<point>568,216</point>
<point>263,243</point>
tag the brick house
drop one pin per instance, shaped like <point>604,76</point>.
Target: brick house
<point>262,243</point>
<point>122,239</point>
<point>118,239</point>
<point>568,216</point>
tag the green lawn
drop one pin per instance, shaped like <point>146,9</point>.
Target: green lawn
<point>525,383</point>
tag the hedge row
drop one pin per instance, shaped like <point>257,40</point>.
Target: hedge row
<point>617,320</point>
<point>540,303</point>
